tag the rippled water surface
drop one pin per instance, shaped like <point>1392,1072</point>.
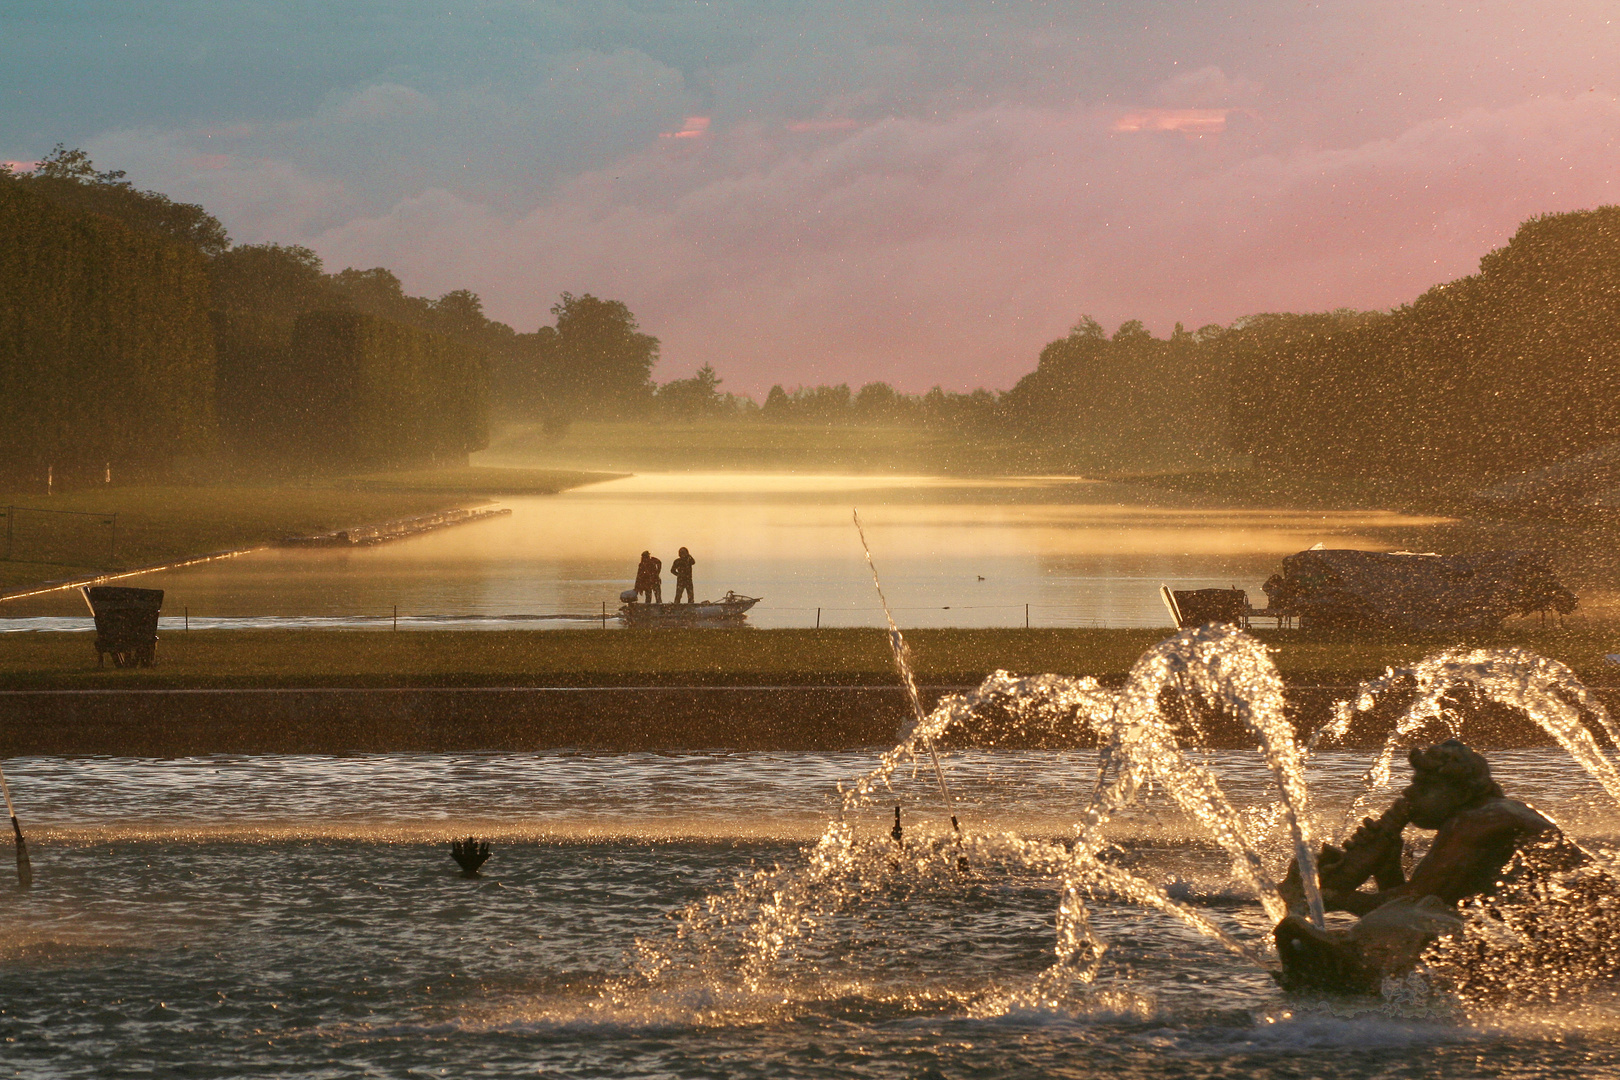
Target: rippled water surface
<point>953,553</point>
<point>301,916</point>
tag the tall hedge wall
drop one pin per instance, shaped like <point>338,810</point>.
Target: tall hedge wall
<point>360,390</point>
<point>106,350</point>
<point>1512,367</point>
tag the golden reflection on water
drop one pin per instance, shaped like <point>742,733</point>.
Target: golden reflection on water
<point>952,551</point>
<point>908,518</point>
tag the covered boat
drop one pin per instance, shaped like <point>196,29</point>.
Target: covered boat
<point>730,610</point>
<point>1415,592</point>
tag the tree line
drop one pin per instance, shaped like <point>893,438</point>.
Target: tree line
<point>132,330</point>
<point>1495,373</point>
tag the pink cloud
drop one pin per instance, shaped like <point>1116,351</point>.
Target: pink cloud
<point>694,128</point>
<point>1186,121</point>
<point>843,124</point>
<point>20,166</point>
<point>950,250</point>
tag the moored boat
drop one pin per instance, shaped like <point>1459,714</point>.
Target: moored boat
<point>730,610</point>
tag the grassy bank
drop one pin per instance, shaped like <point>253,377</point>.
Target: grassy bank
<point>712,445</point>
<point>158,523</point>
<point>312,658</point>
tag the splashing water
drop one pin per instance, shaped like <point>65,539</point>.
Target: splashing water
<point>1217,667</point>
<point>775,916</point>
<point>902,665</point>
<point>1546,691</point>
<point>775,925</point>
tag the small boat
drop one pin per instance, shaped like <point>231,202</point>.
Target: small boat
<point>730,610</point>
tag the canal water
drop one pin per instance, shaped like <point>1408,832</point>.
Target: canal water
<point>301,916</point>
<point>952,552</point>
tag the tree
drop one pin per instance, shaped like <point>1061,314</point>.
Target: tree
<point>69,178</point>
<point>603,360</point>
<point>697,396</point>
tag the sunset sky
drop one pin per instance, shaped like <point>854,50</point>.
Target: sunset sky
<point>812,191</point>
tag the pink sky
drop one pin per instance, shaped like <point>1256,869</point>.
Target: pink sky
<point>905,220</point>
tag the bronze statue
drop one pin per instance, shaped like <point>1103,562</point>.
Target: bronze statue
<point>1478,831</point>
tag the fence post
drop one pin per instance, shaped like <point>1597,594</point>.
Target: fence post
<point>396,616</point>
<point>188,620</point>
<point>604,614</point>
<point>1026,616</point>
<point>818,618</point>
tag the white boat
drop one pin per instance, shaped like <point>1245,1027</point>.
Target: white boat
<point>730,610</point>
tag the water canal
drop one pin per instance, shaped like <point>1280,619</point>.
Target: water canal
<point>953,552</point>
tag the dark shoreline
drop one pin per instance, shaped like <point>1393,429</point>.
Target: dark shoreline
<point>358,720</point>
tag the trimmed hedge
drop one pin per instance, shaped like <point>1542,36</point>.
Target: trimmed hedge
<point>106,349</point>
<point>359,390</point>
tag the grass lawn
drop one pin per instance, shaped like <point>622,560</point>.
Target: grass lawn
<point>158,524</point>
<point>704,446</point>
<point>289,658</point>
<point>479,480</point>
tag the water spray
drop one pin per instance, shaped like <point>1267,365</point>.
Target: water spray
<point>25,871</point>
<point>897,644</point>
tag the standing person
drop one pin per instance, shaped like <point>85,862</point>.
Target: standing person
<point>682,568</point>
<point>646,576</point>
<point>655,572</point>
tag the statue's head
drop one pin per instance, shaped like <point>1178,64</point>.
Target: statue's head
<point>1447,779</point>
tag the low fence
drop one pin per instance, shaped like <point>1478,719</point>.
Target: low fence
<point>182,617</point>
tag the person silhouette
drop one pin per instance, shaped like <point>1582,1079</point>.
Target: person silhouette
<point>649,584</point>
<point>682,568</point>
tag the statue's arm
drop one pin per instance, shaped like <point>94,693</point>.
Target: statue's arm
<point>1468,851</point>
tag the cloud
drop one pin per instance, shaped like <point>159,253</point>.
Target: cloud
<point>1186,121</point>
<point>951,250</point>
<point>382,102</point>
<point>258,198</point>
<point>897,191</point>
<point>694,128</point>
<point>1207,87</point>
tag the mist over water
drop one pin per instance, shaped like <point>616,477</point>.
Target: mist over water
<point>1078,553</point>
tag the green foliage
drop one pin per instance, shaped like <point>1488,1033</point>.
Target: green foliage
<point>1132,400</point>
<point>458,314</point>
<point>260,290</point>
<point>360,390</point>
<point>69,179</point>
<point>881,404</point>
<point>106,352</point>
<point>1512,367</point>
<point>594,362</point>
<point>601,354</point>
<point>263,292</point>
<point>698,396</point>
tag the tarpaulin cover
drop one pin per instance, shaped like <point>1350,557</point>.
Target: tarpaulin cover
<point>1400,591</point>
